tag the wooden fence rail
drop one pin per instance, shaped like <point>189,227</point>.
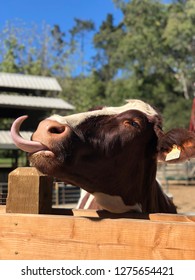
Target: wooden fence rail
<point>31,229</point>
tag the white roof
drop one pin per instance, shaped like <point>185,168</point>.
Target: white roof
<point>12,80</point>
<point>6,141</point>
<point>21,101</point>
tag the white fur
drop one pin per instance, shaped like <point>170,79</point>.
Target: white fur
<point>133,104</point>
<point>112,203</point>
<point>115,204</point>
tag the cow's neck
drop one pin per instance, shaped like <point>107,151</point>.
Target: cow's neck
<point>123,189</point>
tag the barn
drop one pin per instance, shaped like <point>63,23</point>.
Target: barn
<point>35,96</point>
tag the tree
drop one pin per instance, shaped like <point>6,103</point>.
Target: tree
<point>80,30</point>
<point>41,51</point>
<point>84,92</point>
<point>9,50</point>
<point>149,64</point>
<point>180,41</point>
<point>61,52</point>
<point>106,41</point>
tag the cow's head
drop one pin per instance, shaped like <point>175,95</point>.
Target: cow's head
<point>112,151</point>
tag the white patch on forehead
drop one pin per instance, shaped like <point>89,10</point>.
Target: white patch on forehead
<point>133,104</point>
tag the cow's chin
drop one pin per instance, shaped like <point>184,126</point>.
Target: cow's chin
<point>45,161</point>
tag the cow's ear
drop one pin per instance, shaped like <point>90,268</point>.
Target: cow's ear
<point>177,145</point>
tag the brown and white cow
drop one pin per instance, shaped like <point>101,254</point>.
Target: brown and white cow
<point>111,153</point>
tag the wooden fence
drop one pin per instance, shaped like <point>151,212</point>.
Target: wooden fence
<point>31,229</point>
<point>176,173</point>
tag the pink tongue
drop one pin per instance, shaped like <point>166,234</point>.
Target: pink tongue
<point>23,144</point>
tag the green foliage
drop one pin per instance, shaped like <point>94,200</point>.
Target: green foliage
<point>84,92</point>
<point>9,60</point>
<point>180,41</point>
<point>177,114</point>
<point>106,41</point>
<point>156,53</point>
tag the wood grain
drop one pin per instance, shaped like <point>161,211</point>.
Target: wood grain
<point>24,236</point>
<point>29,191</point>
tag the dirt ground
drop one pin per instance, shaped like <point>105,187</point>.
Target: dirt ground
<point>183,197</point>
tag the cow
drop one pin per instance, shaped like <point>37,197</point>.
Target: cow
<point>111,153</point>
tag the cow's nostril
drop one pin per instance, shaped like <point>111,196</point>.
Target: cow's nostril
<point>56,129</point>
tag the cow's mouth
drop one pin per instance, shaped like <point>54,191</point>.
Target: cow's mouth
<point>45,153</point>
<point>23,144</point>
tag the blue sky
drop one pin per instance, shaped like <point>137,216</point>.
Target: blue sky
<point>61,12</point>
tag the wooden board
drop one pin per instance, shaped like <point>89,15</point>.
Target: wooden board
<point>29,191</point>
<point>30,236</point>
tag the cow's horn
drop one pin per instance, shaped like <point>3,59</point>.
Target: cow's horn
<point>25,145</point>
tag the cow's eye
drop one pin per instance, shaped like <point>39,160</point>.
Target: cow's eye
<point>135,124</point>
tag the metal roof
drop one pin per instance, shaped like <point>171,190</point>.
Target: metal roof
<point>30,82</point>
<point>6,141</point>
<point>33,102</point>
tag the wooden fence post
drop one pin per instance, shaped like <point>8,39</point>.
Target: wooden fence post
<point>29,191</point>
